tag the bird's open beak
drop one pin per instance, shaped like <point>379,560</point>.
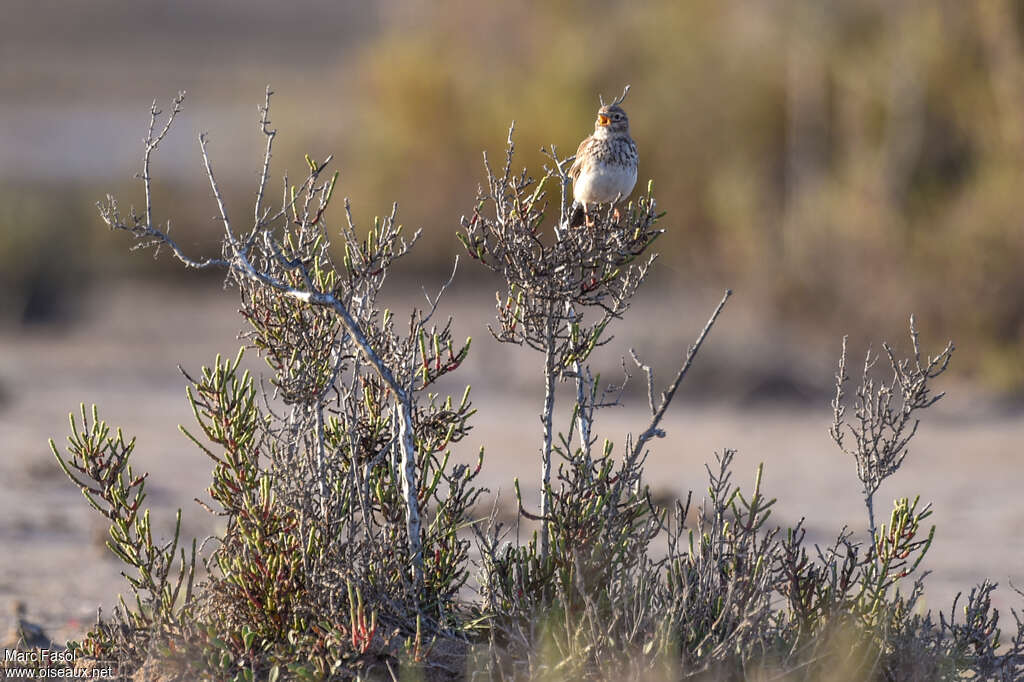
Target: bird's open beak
<point>603,120</point>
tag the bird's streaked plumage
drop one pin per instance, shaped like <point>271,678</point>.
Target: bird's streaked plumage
<point>606,162</point>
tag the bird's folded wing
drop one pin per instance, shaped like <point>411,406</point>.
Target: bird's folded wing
<point>577,165</point>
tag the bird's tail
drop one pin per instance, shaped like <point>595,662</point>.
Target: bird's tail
<point>577,215</point>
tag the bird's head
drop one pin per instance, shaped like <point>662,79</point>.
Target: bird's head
<point>611,118</point>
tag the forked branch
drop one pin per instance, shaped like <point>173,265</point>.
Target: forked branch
<point>885,418</point>
<point>275,256</point>
<point>657,413</point>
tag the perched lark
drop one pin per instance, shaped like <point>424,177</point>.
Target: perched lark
<point>605,168</point>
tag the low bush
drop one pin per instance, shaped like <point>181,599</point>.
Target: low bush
<point>350,535</point>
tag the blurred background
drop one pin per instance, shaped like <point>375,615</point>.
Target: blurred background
<point>845,163</point>
<point>838,164</point>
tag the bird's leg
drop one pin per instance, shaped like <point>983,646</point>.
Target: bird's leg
<point>587,218</point>
<point>616,216</point>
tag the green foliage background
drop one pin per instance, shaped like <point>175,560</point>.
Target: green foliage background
<point>839,162</point>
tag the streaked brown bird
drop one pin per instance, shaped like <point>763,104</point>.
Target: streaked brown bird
<point>604,171</point>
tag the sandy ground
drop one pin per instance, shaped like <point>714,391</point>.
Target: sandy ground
<point>123,351</point>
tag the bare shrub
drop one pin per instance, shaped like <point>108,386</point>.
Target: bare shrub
<point>884,413</point>
<point>343,510</point>
<point>552,281</point>
<point>346,553</point>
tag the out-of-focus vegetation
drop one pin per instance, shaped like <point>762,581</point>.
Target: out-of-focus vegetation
<point>844,161</point>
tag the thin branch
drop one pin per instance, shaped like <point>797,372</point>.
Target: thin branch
<point>216,191</point>
<point>153,142</point>
<point>440,293</point>
<point>666,397</point>
<point>258,220</point>
<point>649,373</point>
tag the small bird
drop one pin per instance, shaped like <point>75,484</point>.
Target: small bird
<point>605,168</point>
<point>24,635</point>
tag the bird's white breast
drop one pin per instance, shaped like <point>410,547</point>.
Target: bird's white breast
<point>603,184</point>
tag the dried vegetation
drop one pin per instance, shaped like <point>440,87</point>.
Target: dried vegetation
<point>351,538</point>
